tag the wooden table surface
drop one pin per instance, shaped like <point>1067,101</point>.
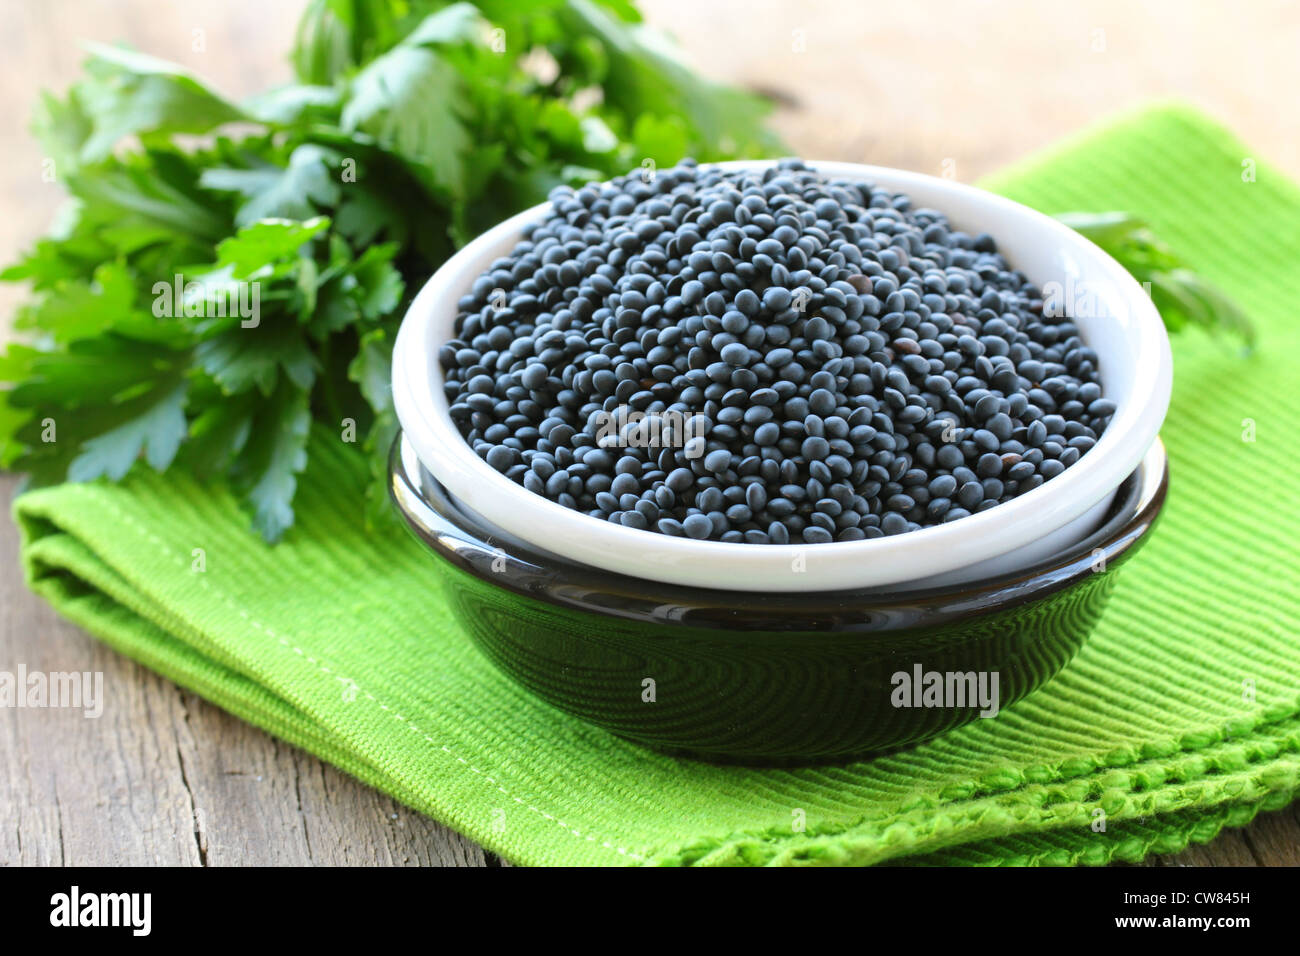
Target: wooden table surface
<point>163,777</point>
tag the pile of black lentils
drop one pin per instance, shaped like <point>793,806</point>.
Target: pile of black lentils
<point>784,357</point>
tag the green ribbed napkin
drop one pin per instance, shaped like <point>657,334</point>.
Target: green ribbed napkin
<point>1179,717</point>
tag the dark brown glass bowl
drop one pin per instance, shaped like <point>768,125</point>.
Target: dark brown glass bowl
<point>770,677</point>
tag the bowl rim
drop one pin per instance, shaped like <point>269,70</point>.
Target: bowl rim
<point>421,409</point>
<point>435,518</point>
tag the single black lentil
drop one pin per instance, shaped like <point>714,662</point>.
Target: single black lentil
<point>838,364</point>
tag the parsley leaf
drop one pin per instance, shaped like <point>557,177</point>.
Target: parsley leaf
<point>1180,295</point>
<point>226,276</point>
<point>267,469</point>
<point>295,191</point>
<point>412,101</point>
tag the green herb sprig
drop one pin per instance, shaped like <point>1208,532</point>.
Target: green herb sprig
<point>1181,296</point>
<point>227,273</point>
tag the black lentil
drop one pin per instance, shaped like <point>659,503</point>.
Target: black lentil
<point>766,356</point>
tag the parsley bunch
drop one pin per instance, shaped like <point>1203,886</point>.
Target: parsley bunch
<point>226,274</point>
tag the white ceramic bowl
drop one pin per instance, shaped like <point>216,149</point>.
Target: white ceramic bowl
<point>1115,317</point>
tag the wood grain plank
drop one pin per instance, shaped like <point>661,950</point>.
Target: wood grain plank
<point>256,799</point>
